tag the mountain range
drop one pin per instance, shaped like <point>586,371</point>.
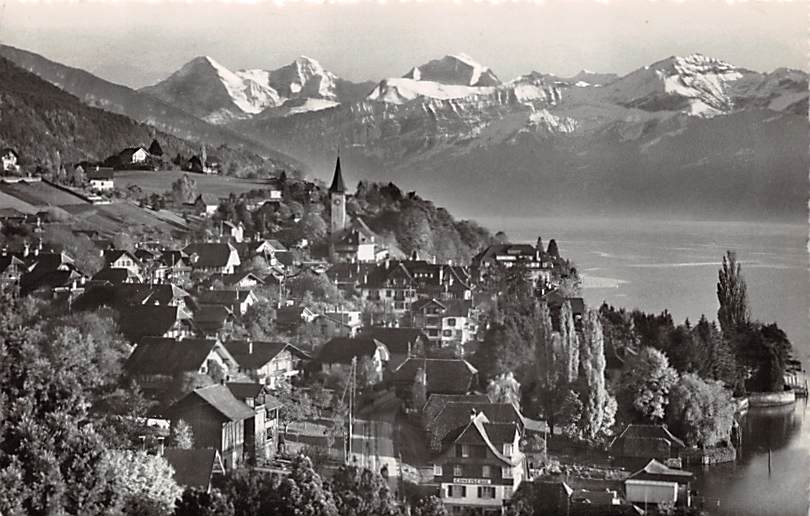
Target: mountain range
<point>685,136</point>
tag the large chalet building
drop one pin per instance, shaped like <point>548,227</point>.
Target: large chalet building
<point>480,467</point>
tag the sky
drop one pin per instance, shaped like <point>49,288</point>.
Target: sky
<point>138,43</point>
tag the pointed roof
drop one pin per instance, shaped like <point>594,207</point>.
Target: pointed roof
<point>337,180</point>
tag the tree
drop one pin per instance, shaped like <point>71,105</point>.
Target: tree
<point>570,345</point>
<point>184,190</point>
<point>557,403</point>
<point>362,492</point>
<point>296,405</point>
<point>79,247</point>
<point>552,249</point>
<point>155,149</point>
<point>764,350</point>
<point>182,436</point>
<point>504,388</point>
<point>429,506</point>
<point>592,391</point>
<point>702,412</point>
<point>198,502</point>
<point>732,295</point>
<point>145,482</point>
<point>720,362</point>
<point>644,385</point>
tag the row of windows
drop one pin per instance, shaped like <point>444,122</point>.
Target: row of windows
<point>485,492</point>
<point>487,471</point>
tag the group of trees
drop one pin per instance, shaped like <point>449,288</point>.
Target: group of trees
<point>352,491</point>
<point>685,375</point>
<point>558,371</point>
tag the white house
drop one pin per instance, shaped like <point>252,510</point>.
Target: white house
<point>101,179</point>
<point>9,159</point>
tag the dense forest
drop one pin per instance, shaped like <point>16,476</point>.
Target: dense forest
<point>49,127</point>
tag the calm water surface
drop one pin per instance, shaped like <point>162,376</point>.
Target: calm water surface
<point>657,265</point>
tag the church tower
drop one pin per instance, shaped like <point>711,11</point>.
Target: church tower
<point>337,201</point>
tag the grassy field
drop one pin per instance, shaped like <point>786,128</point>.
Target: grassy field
<point>161,181</point>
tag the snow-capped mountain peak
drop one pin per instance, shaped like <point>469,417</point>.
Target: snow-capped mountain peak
<point>456,69</point>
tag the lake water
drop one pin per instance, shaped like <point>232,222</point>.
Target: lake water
<point>672,265</point>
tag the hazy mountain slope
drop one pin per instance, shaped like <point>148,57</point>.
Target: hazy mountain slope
<point>115,98</point>
<point>40,120</point>
<point>690,135</point>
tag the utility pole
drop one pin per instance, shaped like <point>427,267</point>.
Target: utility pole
<point>352,381</point>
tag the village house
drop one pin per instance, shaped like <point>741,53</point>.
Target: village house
<point>439,375</point>
<point>402,343</point>
<point>122,259</point>
<point>448,324</point>
<point>231,231</point>
<point>157,362</point>
<point>442,281</point>
<point>214,321</point>
<point>137,322</point>
<point>274,253</point>
<point>238,301</point>
<point>646,441</point>
<point>133,156</point>
<point>390,286</point>
<point>101,179</point>
<point>217,419</point>
<point>456,413</point>
<point>657,484</point>
<point>257,447</point>
<point>11,269</point>
<point>347,276</point>
<point>339,352</point>
<point>173,266</point>
<point>9,159</point>
<point>244,280</point>
<point>480,467</point>
<point>289,318</point>
<point>196,468</point>
<point>534,258</point>
<point>205,204</point>
<point>116,276</point>
<point>268,363</point>
<point>53,272</point>
<point>213,257</point>
<point>335,324</point>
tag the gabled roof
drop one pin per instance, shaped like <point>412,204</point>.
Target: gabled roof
<point>210,254</point>
<point>212,318</point>
<point>337,185</point>
<point>139,321</point>
<point>397,340</point>
<point>654,470</point>
<point>245,390</point>
<point>254,354</point>
<point>341,350</point>
<point>195,467</point>
<point>223,297</point>
<point>444,375</point>
<point>170,356</point>
<point>232,279</point>
<point>639,431</point>
<point>171,258</point>
<point>8,260</point>
<point>115,275</point>
<point>477,424</point>
<point>220,398</point>
<point>419,304</point>
<point>164,294</point>
<point>436,402</point>
<point>102,174</point>
<point>111,255</point>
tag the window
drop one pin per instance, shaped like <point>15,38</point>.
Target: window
<point>507,491</point>
<point>447,333</point>
<point>457,470</point>
<point>387,293</point>
<point>507,449</point>
<point>451,321</point>
<point>437,470</point>
<point>486,471</point>
<point>486,492</point>
<point>463,450</point>
<point>506,472</point>
<point>456,491</point>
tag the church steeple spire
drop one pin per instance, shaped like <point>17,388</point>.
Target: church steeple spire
<point>337,180</point>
